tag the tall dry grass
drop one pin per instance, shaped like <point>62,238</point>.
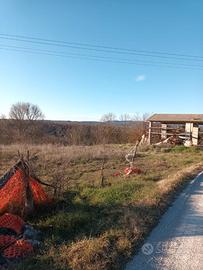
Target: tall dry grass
<point>68,152</point>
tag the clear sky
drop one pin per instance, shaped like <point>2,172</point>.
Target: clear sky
<point>82,89</point>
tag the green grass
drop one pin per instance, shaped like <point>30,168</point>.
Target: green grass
<point>183,149</point>
<point>116,194</point>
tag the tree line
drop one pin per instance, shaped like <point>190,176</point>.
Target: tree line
<point>26,124</point>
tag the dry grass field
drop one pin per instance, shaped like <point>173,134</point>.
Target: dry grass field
<point>90,227</point>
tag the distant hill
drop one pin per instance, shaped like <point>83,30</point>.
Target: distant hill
<point>68,122</point>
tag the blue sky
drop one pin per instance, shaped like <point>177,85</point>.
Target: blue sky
<point>77,89</point>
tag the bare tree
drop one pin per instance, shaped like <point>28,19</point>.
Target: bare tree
<point>24,116</point>
<point>108,117</point>
<point>25,111</point>
<point>3,116</point>
<point>125,117</point>
<point>140,117</point>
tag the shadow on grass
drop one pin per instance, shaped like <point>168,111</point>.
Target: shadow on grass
<point>74,217</point>
<point>92,211</point>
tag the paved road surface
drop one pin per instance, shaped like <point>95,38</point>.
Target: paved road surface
<point>177,242</point>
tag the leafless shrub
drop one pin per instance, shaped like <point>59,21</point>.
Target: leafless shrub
<point>108,117</point>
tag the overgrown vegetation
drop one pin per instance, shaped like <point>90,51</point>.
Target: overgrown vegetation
<point>93,227</point>
<point>26,125</point>
<point>69,133</point>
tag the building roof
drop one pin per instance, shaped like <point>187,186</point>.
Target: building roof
<point>177,118</point>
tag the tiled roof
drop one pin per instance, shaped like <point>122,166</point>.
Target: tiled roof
<point>193,118</point>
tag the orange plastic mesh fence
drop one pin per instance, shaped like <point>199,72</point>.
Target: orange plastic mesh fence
<point>6,240</point>
<point>10,246</point>
<point>12,194</point>
<point>39,195</point>
<point>20,248</point>
<point>12,222</point>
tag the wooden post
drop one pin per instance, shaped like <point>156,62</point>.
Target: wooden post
<point>195,135</point>
<point>163,131</point>
<point>102,173</point>
<point>188,130</point>
<point>149,134</point>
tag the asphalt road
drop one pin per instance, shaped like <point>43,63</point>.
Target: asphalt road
<point>177,241</point>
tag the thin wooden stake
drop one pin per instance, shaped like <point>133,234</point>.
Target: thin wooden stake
<point>102,173</point>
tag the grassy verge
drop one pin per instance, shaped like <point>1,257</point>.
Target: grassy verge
<point>93,227</point>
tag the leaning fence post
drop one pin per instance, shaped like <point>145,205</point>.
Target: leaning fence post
<point>102,173</point>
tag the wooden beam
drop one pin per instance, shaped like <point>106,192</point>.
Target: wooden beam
<point>149,135</point>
